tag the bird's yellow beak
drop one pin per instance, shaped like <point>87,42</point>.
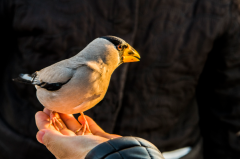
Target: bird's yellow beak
<point>130,55</point>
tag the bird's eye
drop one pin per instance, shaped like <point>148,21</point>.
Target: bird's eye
<point>119,47</point>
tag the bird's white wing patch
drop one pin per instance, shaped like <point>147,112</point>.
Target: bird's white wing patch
<point>26,77</point>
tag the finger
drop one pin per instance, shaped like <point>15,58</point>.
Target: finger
<point>71,123</point>
<point>96,130</point>
<point>42,120</point>
<point>47,111</point>
<point>40,135</point>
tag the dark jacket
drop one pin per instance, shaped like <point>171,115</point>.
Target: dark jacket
<point>125,148</point>
<point>190,65</point>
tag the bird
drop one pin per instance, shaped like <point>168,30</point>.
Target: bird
<point>78,83</point>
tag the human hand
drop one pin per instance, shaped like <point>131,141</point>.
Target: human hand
<point>65,143</point>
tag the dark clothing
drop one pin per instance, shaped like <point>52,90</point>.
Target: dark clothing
<point>125,148</point>
<point>190,60</point>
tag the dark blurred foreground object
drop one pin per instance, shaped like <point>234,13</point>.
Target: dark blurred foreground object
<point>190,60</point>
<point>125,148</point>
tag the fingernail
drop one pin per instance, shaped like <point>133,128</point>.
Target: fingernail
<point>41,134</point>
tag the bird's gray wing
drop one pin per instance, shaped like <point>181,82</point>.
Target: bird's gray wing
<point>55,76</point>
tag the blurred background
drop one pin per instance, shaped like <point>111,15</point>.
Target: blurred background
<point>183,96</point>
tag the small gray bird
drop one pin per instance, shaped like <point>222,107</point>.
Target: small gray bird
<point>77,84</point>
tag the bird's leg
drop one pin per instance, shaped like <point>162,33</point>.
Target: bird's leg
<point>85,125</point>
<point>54,120</point>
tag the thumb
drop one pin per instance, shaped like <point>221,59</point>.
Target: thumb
<point>43,132</point>
<point>58,144</point>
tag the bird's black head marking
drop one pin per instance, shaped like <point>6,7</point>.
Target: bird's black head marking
<point>119,43</point>
<point>115,40</point>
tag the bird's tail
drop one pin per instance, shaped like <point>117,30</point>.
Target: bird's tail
<point>25,78</point>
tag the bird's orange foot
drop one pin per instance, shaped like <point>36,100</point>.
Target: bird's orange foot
<point>85,126</point>
<point>54,120</point>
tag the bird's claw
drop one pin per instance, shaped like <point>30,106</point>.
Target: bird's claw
<point>85,127</point>
<point>55,121</point>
